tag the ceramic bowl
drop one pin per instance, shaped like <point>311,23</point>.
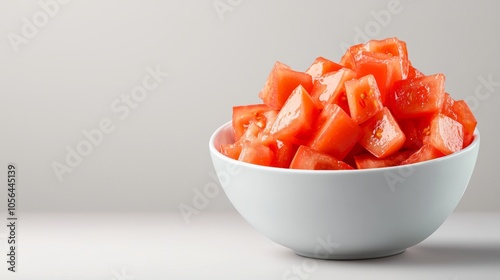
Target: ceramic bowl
<point>345,214</point>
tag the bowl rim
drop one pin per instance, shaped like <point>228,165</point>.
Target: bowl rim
<point>215,151</point>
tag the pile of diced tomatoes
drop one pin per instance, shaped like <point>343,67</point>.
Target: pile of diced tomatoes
<point>372,109</point>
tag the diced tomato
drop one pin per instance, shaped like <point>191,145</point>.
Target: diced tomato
<point>368,160</point>
<point>363,98</point>
<point>251,134</point>
<point>347,59</point>
<point>413,135</point>
<point>447,107</point>
<point>426,152</point>
<point>330,88</point>
<point>308,158</point>
<point>384,67</point>
<point>373,109</point>
<point>414,72</point>
<point>466,118</point>
<point>295,120</point>
<point>375,68</point>
<point>280,83</point>
<point>232,150</point>
<point>381,134</point>
<point>355,151</point>
<point>322,66</point>
<point>256,153</point>
<point>413,98</point>
<point>337,134</point>
<point>393,47</point>
<point>243,115</point>
<point>446,134</point>
<point>283,153</point>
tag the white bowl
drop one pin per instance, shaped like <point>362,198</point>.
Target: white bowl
<point>345,214</point>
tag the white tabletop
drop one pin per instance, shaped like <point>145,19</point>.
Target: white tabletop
<point>223,246</point>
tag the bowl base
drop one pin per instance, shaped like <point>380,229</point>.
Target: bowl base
<point>360,256</point>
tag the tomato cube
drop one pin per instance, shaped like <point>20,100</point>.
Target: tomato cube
<point>426,152</point>
<point>244,115</point>
<point>322,66</point>
<point>393,47</point>
<point>363,98</point>
<point>330,88</point>
<point>295,120</point>
<point>336,133</point>
<point>308,158</point>
<point>446,134</point>
<point>381,134</point>
<point>283,153</point>
<point>256,153</point>
<point>414,72</point>
<point>465,116</point>
<point>232,150</point>
<point>280,83</point>
<point>413,98</point>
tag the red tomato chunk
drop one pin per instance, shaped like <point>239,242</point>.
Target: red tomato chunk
<point>372,109</point>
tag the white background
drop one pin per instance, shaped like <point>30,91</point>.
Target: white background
<point>64,76</point>
<point>88,54</point>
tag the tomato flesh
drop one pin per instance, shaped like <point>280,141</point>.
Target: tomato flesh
<point>322,66</point>
<point>244,115</point>
<point>280,83</point>
<point>413,98</point>
<point>330,89</point>
<point>283,153</point>
<point>308,158</point>
<point>295,119</point>
<point>256,153</point>
<point>446,134</point>
<point>336,134</point>
<point>363,98</point>
<point>426,152</point>
<point>465,116</point>
<point>381,134</point>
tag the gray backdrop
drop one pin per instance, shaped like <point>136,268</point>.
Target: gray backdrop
<point>109,105</point>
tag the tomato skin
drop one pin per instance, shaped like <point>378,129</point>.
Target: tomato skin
<point>295,120</point>
<point>336,133</point>
<point>363,97</point>
<point>367,160</point>
<point>418,97</point>
<point>308,158</point>
<point>426,152</point>
<point>244,115</point>
<point>322,66</point>
<point>280,83</point>
<point>381,134</point>
<point>446,134</point>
